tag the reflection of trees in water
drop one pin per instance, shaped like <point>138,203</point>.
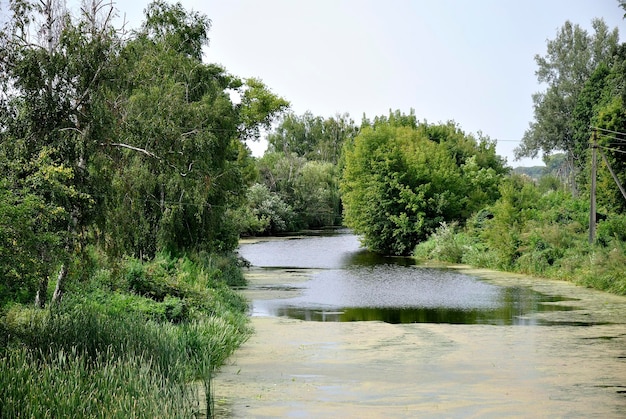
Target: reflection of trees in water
<point>516,305</point>
<point>364,257</point>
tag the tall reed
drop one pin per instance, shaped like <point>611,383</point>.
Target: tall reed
<point>106,352</point>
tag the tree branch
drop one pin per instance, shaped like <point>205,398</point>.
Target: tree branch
<point>130,147</point>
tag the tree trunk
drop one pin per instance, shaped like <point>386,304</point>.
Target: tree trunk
<point>40,298</point>
<point>60,286</point>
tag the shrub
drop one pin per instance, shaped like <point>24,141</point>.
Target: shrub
<point>444,245</point>
<point>614,227</point>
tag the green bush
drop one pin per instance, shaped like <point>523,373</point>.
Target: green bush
<point>537,232</point>
<point>444,245</point>
<point>613,228</point>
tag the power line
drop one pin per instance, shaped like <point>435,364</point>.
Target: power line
<point>611,149</point>
<point>608,130</point>
<point>613,138</point>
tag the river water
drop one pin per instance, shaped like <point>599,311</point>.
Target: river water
<point>340,332</point>
<point>351,284</point>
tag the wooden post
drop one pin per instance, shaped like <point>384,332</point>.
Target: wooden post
<point>592,209</point>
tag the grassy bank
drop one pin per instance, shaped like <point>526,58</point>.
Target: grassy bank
<point>539,233</point>
<point>132,340</point>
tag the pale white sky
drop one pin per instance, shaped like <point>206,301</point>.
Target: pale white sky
<point>469,61</point>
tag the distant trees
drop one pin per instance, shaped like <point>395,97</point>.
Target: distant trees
<point>402,179</point>
<point>571,59</point>
<point>312,137</point>
<point>300,172</point>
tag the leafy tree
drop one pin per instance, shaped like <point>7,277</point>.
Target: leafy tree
<point>309,187</point>
<point>312,137</point>
<point>399,184</point>
<point>53,114</point>
<point>571,59</point>
<point>179,170</point>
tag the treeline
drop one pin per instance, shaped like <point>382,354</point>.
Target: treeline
<point>297,179</point>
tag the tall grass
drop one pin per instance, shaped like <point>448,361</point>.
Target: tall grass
<point>60,384</point>
<point>540,233</point>
<point>120,346</point>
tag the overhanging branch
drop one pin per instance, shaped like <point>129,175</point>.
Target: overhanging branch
<point>130,147</point>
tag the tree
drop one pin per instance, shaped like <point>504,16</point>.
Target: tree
<point>178,172</point>
<point>53,115</point>
<point>312,137</point>
<point>401,181</point>
<point>571,59</point>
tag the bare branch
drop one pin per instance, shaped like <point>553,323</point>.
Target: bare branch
<point>130,147</point>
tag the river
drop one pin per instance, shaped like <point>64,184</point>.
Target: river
<point>341,332</point>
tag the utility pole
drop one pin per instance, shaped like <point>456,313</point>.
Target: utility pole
<point>592,209</point>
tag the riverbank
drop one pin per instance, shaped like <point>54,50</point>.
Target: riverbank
<point>572,368</point>
<point>134,340</point>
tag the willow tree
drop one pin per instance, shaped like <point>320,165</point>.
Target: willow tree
<point>176,169</point>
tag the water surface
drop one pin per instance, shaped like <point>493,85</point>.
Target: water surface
<point>348,283</point>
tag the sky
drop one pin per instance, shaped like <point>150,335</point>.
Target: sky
<point>467,61</point>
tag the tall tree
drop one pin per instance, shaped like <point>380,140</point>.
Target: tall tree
<point>177,168</point>
<point>570,60</point>
<point>53,115</point>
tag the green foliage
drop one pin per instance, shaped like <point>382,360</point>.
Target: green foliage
<point>27,246</point>
<point>316,190</point>
<point>611,116</point>
<point>265,213</point>
<point>136,356</point>
<point>402,180</point>
<point>537,231</point>
<point>570,60</point>
<point>613,228</point>
<point>445,244</point>
<point>311,137</point>
<point>185,32</point>
<point>310,189</point>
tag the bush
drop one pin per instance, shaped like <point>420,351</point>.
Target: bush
<point>444,245</point>
<point>265,213</point>
<point>613,228</point>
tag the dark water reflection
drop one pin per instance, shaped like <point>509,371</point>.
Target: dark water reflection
<point>351,284</point>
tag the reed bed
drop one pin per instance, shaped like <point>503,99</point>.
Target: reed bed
<point>109,351</point>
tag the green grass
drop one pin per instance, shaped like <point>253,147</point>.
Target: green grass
<point>133,340</point>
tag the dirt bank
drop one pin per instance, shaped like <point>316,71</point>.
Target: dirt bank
<point>291,368</point>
